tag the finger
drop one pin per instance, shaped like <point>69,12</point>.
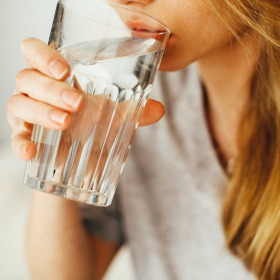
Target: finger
<point>26,109</point>
<point>45,59</point>
<point>19,126</point>
<point>152,112</point>
<point>49,90</point>
<point>23,147</point>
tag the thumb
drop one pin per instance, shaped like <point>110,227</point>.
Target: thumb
<point>152,113</point>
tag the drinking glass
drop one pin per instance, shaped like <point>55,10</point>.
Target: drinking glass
<point>114,53</point>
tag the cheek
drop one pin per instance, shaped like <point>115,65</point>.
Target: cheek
<point>193,40</point>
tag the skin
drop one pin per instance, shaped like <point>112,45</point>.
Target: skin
<point>226,69</point>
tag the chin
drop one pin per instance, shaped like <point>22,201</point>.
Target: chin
<point>172,64</point>
<point>172,57</point>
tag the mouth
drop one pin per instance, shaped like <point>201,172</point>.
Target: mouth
<point>140,26</point>
<point>142,30</point>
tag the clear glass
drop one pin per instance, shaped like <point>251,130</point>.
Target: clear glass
<point>114,53</point>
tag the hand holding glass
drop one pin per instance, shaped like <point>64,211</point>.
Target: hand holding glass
<point>114,53</point>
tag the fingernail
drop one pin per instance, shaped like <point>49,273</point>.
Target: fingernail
<point>58,116</point>
<point>58,69</point>
<point>72,98</point>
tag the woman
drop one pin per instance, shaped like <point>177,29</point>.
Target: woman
<point>225,110</point>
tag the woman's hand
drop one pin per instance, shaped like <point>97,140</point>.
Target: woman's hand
<point>41,97</point>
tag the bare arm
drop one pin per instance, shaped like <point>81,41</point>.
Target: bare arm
<point>58,246</point>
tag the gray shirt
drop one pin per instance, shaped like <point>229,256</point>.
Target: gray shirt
<point>168,205</point>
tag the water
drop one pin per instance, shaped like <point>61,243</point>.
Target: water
<point>85,161</point>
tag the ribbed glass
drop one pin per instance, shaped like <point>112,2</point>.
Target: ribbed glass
<point>114,70</point>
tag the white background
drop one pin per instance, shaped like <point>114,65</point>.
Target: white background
<point>19,19</point>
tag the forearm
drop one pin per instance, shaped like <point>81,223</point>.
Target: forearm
<point>57,244</point>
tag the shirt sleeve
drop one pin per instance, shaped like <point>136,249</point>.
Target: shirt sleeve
<point>104,222</point>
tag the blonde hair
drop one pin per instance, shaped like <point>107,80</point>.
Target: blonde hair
<point>251,213</point>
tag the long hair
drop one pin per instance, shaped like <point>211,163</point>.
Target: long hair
<point>251,212</point>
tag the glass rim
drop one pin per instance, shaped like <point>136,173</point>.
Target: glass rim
<point>166,29</point>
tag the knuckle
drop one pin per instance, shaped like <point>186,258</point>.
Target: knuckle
<point>20,76</point>
<point>9,119</point>
<point>11,104</point>
<point>26,42</point>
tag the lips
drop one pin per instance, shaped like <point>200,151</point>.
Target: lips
<point>141,26</point>
<point>144,31</point>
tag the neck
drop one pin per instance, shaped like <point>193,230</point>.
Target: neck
<point>226,75</point>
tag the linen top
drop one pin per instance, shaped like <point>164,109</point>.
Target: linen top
<point>169,201</point>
